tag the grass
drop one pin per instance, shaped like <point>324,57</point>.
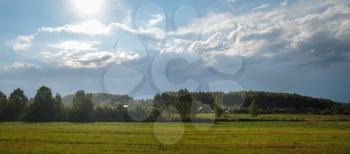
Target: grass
<point>280,117</point>
<point>314,136</point>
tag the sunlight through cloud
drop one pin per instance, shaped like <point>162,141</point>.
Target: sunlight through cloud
<point>88,7</point>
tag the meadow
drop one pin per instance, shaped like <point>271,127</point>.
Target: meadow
<point>328,135</point>
<point>277,117</point>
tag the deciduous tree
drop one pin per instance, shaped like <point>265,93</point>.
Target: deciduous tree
<point>16,105</point>
<point>253,109</point>
<point>3,105</point>
<point>83,107</point>
<point>184,104</point>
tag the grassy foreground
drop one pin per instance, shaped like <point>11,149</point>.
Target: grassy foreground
<point>176,137</point>
<point>279,117</point>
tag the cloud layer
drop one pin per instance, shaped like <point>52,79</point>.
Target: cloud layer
<point>321,32</point>
<point>20,66</point>
<point>318,33</point>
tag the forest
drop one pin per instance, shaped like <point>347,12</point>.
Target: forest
<point>181,105</point>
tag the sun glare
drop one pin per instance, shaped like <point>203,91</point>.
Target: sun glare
<point>88,7</point>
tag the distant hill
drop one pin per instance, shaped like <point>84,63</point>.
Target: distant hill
<point>282,100</point>
<point>273,102</point>
<point>267,102</point>
<point>286,102</point>
<point>99,98</point>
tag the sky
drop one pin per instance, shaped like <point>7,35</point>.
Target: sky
<point>141,47</point>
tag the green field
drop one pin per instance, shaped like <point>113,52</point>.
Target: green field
<point>279,117</point>
<point>312,136</point>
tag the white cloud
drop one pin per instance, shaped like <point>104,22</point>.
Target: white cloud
<point>76,45</point>
<point>96,27</point>
<point>93,59</point>
<point>263,6</point>
<point>284,3</point>
<point>128,19</point>
<point>22,42</point>
<point>20,66</point>
<point>281,30</point>
<point>267,34</point>
<point>84,54</point>
<point>156,19</point>
<point>89,27</point>
<point>176,45</point>
<point>212,23</point>
<point>153,32</point>
<point>150,28</point>
<point>212,43</point>
<point>231,1</point>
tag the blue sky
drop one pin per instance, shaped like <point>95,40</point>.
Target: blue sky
<point>143,47</point>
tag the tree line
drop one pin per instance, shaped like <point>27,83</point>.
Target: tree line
<point>45,107</point>
<point>252,102</point>
<point>183,105</point>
